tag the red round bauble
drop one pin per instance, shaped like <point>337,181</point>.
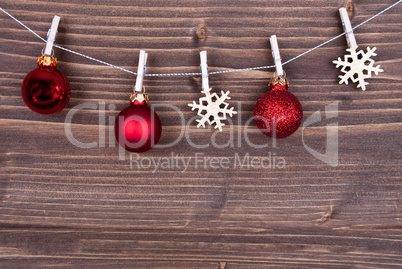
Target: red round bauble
<point>138,128</point>
<point>45,90</point>
<point>278,113</point>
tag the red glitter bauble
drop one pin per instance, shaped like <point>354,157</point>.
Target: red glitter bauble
<point>138,128</point>
<point>278,113</point>
<point>45,90</point>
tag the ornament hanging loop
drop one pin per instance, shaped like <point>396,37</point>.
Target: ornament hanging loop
<point>347,27</point>
<point>142,66</point>
<point>204,71</point>
<point>276,55</point>
<point>51,37</point>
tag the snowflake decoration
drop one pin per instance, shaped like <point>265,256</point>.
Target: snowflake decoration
<point>358,66</point>
<point>213,109</point>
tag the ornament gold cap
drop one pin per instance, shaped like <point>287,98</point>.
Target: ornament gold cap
<point>139,97</point>
<point>279,79</point>
<point>47,61</point>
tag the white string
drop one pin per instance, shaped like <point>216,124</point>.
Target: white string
<point>65,49</point>
<point>197,74</point>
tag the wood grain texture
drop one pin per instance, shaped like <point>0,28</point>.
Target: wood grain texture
<point>62,206</point>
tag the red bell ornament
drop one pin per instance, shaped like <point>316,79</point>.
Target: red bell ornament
<point>137,127</point>
<point>45,90</point>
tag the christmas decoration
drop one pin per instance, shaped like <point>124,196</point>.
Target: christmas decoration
<point>213,112</point>
<point>278,113</point>
<point>137,127</point>
<point>45,90</point>
<point>357,66</point>
<point>212,108</point>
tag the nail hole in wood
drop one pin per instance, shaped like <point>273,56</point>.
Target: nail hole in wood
<point>327,215</point>
<point>201,33</point>
<point>349,8</point>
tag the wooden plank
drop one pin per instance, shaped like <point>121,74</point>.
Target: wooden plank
<point>62,206</point>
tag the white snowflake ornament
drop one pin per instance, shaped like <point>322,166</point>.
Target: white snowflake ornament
<point>358,66</point>
<point>213,109</point>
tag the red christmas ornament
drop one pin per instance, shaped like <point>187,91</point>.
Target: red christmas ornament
<point>278,113</point>
<point>137,127</point>
<point>45,90</point>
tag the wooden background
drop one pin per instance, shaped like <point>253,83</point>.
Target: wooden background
<point>62,206</point>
